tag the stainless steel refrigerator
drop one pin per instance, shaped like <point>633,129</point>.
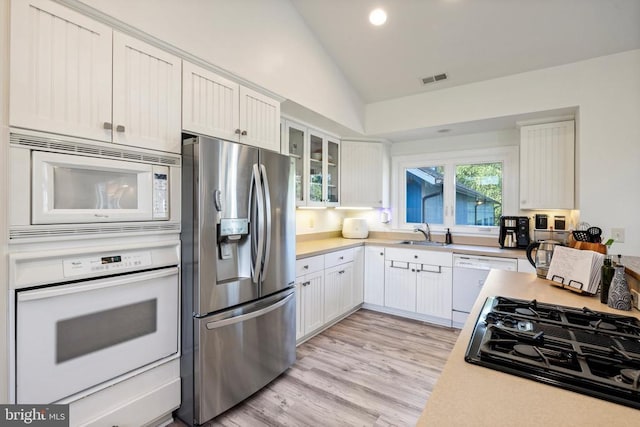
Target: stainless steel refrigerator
<point>238,254</point>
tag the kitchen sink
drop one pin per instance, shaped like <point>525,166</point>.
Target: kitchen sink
<point>422,243</point>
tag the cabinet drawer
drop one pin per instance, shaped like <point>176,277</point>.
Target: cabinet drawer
<point>338,257</point>
<point>309,265</point>
<point>420,256</point>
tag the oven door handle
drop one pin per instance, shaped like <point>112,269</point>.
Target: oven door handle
<point>60,290</point>
<point>251,315</point>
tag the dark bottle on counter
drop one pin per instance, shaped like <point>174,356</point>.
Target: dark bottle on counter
<point>447,237</point>
<point>606,276</point>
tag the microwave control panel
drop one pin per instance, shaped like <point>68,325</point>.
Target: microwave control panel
<point>160,194</point>
<point>105,264</point>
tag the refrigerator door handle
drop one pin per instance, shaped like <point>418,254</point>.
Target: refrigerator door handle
<point>252,226</point>
<point>259,237</point>
<point>267,217</point>
<point>251,315</point>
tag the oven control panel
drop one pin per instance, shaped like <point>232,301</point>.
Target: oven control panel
<point>105,264</point>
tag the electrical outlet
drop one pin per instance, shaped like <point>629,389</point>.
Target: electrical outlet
<point>617,234</point>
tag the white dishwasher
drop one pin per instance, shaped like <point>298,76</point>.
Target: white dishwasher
<point>469,274</point>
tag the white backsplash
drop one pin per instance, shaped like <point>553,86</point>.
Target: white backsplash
<point>310,221</point>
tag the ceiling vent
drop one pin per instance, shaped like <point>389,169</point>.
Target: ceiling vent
<point>433,79</point>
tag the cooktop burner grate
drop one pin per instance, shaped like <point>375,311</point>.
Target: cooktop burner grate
<point>577,349</point>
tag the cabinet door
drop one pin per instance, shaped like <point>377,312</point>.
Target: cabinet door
<point>433,295</point>
<point>259,120</point>
<point>60,71</point>
<point>332,172</point>
<point>315,170</point>
<point>547,166</point>
<point>146,95</point>
<point>210,103</point>
<point>337,293</point>
<point>365,174</point>
<point>313,302</point>
<point>374,275</point>
<point>296,143</point>
<point>400,285</point>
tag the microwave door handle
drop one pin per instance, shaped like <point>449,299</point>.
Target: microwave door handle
<point>267,218</point>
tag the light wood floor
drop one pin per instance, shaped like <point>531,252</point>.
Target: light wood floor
<point>371,369</point>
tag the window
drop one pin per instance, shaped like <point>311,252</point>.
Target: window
<point>479,194</point>
<point>467,190</point>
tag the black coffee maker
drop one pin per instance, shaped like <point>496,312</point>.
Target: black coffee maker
<point>514,232</point>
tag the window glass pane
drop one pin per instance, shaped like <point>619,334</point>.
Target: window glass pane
<point>425,194</point>
<point>479,194</point>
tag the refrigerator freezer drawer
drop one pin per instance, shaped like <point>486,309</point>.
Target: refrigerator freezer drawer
<point>238,355</point>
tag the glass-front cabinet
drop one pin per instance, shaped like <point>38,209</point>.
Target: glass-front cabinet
<point>324,177</point>
<point>296,148</point>
<point>315,158</point>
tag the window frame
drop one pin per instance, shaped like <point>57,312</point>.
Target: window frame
<point>508,156</point>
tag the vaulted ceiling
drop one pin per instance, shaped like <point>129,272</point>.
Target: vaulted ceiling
<point>470,40</point>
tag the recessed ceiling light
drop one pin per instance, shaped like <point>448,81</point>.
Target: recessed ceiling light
<point>378,17</point>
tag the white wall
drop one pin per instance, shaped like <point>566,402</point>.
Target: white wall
<point>607,92</point>
<point>263,41</point>
<point>4,168</point>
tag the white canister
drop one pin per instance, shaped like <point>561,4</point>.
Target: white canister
<point>355,228</point>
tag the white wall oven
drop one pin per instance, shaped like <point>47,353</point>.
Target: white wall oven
<point>68,186</point>
<point>83,317</point>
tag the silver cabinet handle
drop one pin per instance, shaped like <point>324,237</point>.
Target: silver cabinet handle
<point>107,126</point>
<point>243,133</point>
<point>237,131</point>
<point>341,272</point>
<point>341,257</point>
<point>306,283</point>
<point>306,267</point>
<point>120,128</point>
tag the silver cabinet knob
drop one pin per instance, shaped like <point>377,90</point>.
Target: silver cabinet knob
<point>107,126</point>
<point>243,133</point>
<point>237,131</point>
<point>120,128</point>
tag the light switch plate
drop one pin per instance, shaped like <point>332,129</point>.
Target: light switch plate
<point>617,234</point>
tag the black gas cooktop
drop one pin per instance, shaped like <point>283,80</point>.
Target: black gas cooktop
<point>577,349</point>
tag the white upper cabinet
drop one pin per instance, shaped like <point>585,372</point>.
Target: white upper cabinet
<point>323,170</point>
<point>547,166</point>
<point>210,103</point>
<point>259,120</point>
<point>74,76</point>
<point>60,71</point>
<point>146,95</point>
<point>365,174</point>
<point>296,146</point>
<point>215,106</point>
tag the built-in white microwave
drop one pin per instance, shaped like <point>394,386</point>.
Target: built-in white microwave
<point>61,186</point>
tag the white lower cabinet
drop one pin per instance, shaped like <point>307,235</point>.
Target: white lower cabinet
<point>400,285</point>
<point>327,287</point>
<point>374,275</point>
<point>433,293</point>
<point>338,290</point>
<point>419,283</point>
<point>309,295</point>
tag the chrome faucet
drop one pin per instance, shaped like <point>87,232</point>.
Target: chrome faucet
<point>427,234</point>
